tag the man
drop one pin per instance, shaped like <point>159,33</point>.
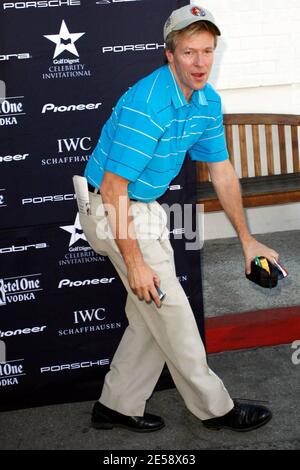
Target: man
<point>141,149</point>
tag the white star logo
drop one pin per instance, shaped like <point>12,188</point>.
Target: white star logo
<point>64,40</point>
<point>75,231</point>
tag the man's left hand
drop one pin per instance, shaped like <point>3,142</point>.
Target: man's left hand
<point>252,248</point>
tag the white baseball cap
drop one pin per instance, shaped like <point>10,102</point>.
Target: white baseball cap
<point>187,15</point>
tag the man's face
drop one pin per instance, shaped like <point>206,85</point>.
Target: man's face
<point>192,61</point>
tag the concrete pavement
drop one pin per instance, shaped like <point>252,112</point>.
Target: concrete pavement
<point>266,374</point>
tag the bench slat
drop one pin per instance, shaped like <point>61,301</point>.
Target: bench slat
<point>270,154</point>
<point>282,150</point>
<point>202,172</point>
<point>256,149</point>
<point>296,163</point>
<point>243,150</point>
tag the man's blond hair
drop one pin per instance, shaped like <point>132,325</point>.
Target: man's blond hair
<point>190,30</point>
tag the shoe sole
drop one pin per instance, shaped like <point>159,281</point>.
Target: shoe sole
<point>218,428</point>
<point>108,426</point>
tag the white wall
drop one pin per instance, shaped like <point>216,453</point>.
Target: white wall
<point>260,219</point>
<point>257,69</point>
<point>259,45</point>
<point>283,99</point>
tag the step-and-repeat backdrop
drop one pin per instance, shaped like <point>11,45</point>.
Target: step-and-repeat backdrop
<point>64,63</point>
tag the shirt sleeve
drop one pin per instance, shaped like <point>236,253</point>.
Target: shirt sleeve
<point>136,134</point>
<point>211,146</point>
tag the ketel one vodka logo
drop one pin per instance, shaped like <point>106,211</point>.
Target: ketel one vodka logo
<point>67,66</point>
<point>10,110</point>
<point>19,288</point>
<point>11,371</point>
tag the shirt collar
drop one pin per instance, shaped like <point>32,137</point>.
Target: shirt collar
<point>178,98</point>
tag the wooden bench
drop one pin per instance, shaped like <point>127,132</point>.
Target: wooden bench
<point>264,150</point>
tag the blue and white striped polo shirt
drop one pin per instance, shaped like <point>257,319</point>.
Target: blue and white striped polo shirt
<point>150,130</point>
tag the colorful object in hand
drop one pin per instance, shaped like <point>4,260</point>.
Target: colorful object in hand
<point>264,273</point>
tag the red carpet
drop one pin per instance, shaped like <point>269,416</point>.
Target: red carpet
<point>252,329</point>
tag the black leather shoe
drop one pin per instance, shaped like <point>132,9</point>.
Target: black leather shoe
<point>106,418</point>
<point>242,417</point>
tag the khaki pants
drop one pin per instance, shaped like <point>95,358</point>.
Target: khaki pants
<point>154,335</point>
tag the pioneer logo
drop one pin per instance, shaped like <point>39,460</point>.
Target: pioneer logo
<point>50,107</point>
<point>76,143</point>
<point>22,331</point>
<point>19,288</point>
<point>152,46</point>
<point>44,199</point>
<point>19,56</point>
<point>13,158</point>
<point>41,4</point>
<point>86,282</point>
<point>22,248</point>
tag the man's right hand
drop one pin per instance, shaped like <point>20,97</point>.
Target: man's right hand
<point>142,279</point>
<point>143,282</point>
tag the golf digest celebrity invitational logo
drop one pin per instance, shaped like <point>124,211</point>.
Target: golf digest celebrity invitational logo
<point>64,63</point>
<point>79,251</point>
